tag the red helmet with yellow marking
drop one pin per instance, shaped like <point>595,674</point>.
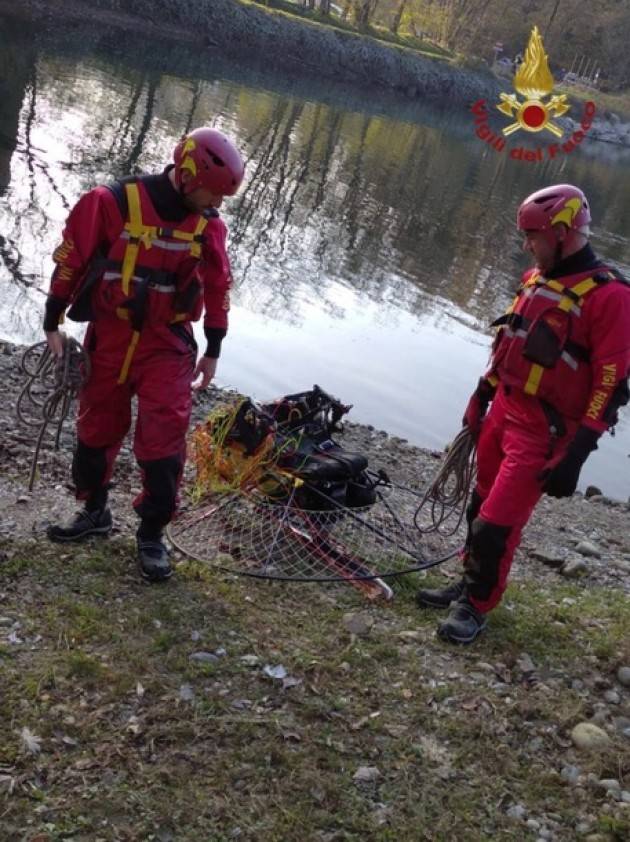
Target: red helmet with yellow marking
<point>558,203</point>
<point>213,160</point>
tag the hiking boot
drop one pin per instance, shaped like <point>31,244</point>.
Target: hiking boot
<point>84,524</point>
<point>463,624</point>
<point>153,560</point>
<point>440,597</point>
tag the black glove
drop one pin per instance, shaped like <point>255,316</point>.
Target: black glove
<point>562,480</point>
<point>478,405</point>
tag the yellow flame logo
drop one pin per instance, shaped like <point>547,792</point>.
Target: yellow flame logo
<point>533,80</point>
<point>187,162</point>
<point>568,212</point>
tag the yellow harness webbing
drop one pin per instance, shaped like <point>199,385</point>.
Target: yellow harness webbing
<point>145,234</point>
<point>570,296</point>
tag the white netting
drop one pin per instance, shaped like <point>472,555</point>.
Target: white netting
<point>278,498</point>
<point>248,534</point>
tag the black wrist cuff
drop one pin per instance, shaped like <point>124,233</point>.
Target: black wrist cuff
<point>214,337</point>
<point>52,313</point>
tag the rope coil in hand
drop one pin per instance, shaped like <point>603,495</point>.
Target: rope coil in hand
<point>52,383</point>
<point>448,493</point>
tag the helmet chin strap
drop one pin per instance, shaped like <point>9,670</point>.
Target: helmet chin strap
<point>558,250</point>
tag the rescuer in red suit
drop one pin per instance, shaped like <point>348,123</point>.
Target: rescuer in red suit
<point>557,377</point>
<point>140,260</point>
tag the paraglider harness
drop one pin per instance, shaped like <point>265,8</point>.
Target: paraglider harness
<point>304,462</point>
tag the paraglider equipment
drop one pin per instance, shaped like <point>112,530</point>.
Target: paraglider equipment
<point>275,496</point>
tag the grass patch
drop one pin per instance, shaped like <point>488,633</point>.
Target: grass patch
<point>221,751</point>
<point>86,669</point>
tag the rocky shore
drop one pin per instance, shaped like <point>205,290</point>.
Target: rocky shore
<point>584,538</point>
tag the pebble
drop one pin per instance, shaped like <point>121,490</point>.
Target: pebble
<point>622,725</point>
<point>621,565</point>
<point>186,693</point>
<point>366,774</point>
<point>552,558</point>
<point>516,812</point>
<point>612,697</point>
<point>411,635</point>
<point>250,660</point>
<point>600,716</point>
<point>592,491</point>
<point>203,657</point>
<point>609,784</point>
<point>359,624</point>
<point>587,548</point>
<point>570,774</point>
<point>623,676</point>
<point>587,736</point>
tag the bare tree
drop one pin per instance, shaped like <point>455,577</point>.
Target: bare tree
<point>395,24</point>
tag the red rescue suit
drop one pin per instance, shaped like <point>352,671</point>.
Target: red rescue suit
<point>560,362</point>
<point>140,276</point>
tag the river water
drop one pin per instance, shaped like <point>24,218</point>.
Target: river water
<point>372,244</point>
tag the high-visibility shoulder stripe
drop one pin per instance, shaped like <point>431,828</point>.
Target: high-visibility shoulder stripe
<point>195,247</point>
<point>533,379</point>
<point>577,292</point>
<point>135,232</point>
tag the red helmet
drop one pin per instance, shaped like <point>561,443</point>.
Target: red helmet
<point>559,203</point>
<point>213,160</point>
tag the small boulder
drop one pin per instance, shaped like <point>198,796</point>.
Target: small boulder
<point>574,568</point>
<point>589,737</point>
<point>592,490</point>
<point>359,624</point>
<point>589,549</point>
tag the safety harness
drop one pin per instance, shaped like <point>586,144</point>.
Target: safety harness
<point>140,235</point>
<point>543,347</point>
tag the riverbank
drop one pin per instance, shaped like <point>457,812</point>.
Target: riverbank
<point>299,712</point>
<point>249,34</point>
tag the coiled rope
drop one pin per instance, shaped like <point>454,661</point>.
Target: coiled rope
<point>448,493</point>
<point>52,383</point>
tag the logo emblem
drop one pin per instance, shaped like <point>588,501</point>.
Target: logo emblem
<point>533,80</point>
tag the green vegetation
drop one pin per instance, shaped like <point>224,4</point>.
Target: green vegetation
<point>373,30</point>
<point>588,39</point>
<point>140,742</point>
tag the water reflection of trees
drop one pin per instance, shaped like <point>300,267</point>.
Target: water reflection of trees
<point>406,213</point>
